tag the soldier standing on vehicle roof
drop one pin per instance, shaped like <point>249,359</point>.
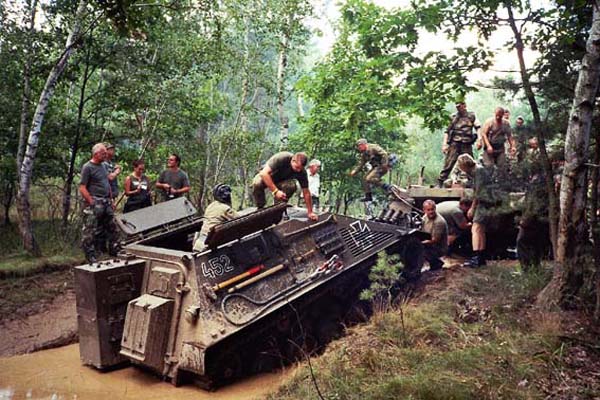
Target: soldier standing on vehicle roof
<point>98,210</point>
<point>279,175</point>
<point>458,138</point>
<point>378,158</point>
<point>494,133</point>
<point>217,212</point>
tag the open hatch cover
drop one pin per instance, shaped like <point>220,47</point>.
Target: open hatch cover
<point>156,217</point>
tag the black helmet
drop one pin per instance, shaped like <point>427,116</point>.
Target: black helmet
<point>222,193</point>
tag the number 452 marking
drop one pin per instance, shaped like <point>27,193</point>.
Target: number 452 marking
<point>217,266</point>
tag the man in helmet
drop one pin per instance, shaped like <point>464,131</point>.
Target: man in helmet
<point>217,212</point>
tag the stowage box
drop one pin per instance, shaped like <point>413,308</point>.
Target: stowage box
<point>103,291</point>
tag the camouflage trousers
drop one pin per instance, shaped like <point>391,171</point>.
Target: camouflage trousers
<point>258,190</point>
<point>98,225</point>
<point>373,178</point>
<point>454,150</point>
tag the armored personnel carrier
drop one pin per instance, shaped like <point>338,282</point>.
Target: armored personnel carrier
<point>264,290</point>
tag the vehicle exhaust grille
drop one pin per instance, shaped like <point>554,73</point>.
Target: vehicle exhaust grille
<point>361,241</point>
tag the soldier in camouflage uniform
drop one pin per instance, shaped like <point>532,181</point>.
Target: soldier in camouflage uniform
<point>378,158</point>
<point>98,207</point>
<point>458,139</point>
<point>482,207</point>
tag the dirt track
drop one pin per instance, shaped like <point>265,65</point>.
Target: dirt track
<point>55,324</point>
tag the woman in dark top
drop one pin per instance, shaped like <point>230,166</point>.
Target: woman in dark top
<point>137,188</point>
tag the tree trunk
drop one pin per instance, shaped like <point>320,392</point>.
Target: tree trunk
<point>68,189</point>
<point>26,171</point>
<point>26,96</point>
<point>281,73</point>
<point>567,279</point>
<point>595,229</point>
<point>7,200</point>
<point>539,131</point>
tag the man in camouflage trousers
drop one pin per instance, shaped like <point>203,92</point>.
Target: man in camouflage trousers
<point>98,207</point>
<point>458,139</point>
<point>378,158</point>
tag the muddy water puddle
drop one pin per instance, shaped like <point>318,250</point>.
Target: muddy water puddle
<point>58,374</point>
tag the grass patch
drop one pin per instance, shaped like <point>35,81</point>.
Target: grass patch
<point>58,248</point>
<point>438,353</point>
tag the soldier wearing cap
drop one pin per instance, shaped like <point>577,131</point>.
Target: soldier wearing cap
<point>113,169</point>
<point>458,138</point>
<point>378,158</point>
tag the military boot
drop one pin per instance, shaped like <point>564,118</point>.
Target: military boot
<point>474,261</point>
<point>90,258</point>
<point>436,265</point>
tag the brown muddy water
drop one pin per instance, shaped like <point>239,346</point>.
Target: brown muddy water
<point>58,374</point>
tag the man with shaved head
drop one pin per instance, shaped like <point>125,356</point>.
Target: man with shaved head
<point>437,245</point>
<point>98,206</point>
<point>494,134</point>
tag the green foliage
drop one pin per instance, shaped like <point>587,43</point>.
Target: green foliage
<point>384,275</point>
<point>373,81</point>
<point>61,250</point>
<point>430,352</point>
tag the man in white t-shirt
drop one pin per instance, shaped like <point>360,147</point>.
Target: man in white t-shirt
<point>314,182</point>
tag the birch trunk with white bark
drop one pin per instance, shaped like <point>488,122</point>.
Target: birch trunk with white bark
<point>26,171</point>
<point>567,279</point>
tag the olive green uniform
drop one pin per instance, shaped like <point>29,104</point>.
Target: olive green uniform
<point>438,229</point>
<point>378,158</point>
<point>460,140</point>
<point>284,177</point>
<point>216,213</point>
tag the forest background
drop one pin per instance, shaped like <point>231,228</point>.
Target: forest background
<point>225,84</point>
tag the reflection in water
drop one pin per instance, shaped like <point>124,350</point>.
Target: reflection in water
<point>58,374</point>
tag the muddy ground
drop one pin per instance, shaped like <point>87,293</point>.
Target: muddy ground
<point>37,312</point>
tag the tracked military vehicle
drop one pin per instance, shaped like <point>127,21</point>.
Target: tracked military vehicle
<point>263,290</point>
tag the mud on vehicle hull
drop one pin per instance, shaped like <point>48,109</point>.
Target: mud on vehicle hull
<point>263,294</point>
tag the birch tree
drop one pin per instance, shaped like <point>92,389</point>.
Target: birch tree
<point>568,277</point>
<point>26,171</point>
